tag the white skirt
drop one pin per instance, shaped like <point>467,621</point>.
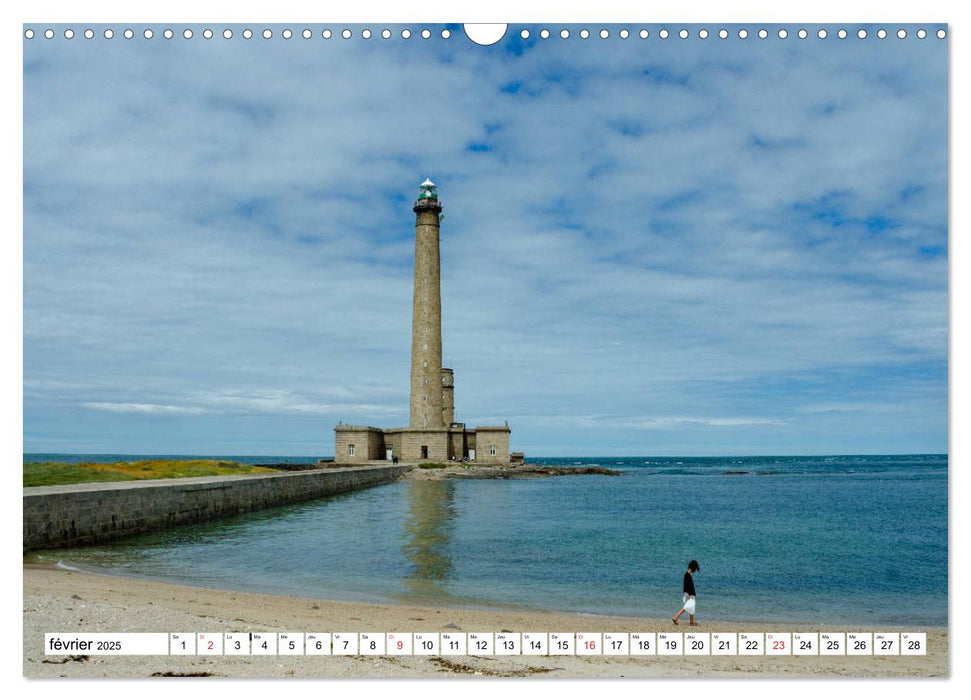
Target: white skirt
<point>689,604</point>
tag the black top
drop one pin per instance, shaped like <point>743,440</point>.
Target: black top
<point>689,583</point>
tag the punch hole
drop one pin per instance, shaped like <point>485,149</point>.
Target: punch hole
<point>248,34</point>
<point>624,33</point>
<point>385,33</point>
<point>346,34</point>
<point>49,34</point>
<point>841,33</point>
<point>426,34</point>
<point>207,34</point>
<point>405,33</point>
<point>663,33</point>
<point>187,33</point>
<point>802,33</point>
<point>267,34</point>
<point>446,34</point>
<point>544,34</point>
<point>763,34</point>
<point>227,33</point>
<point>604,34</point>
<point>861,33</point>
<point>365,34</point>
<point>306,34</point>
<point>683,34</point>
<point>584,34</point>
<point>901,33</point>
<point>68,33</point>
<point>489,34</point>
<point>821,34</point>
<point>29,34</point>
<point>524,34</point>
<point>703,34</point>
<point>168,34</point>
<point>882,34</point>
<point>326,34</point>
<point>564,33</point>
<point>148,34</point>
<point>643,34</point>
<point>743,33</point>
<point>921,34</point>
<point>783,33</point>
<point>287,33</point>
<point>722,33</point>
<point>941,34</point>
<point>129,34</point>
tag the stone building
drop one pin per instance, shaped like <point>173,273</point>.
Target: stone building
<point>432,433</point>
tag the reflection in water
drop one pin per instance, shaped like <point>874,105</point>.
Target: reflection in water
<point>427,536</point>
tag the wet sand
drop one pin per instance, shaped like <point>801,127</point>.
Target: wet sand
<point>57,600</point>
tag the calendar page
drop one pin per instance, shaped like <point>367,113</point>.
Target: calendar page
<point>391,349</point>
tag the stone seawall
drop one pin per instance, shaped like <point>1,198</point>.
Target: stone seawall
<point>77,514</point>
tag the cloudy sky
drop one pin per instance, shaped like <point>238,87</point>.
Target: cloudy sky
<point>650,247</point>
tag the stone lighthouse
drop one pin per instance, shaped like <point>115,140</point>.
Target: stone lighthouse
<point>432,433</point>
<point>426,323</point>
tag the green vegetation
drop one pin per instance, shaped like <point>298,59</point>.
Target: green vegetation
<point>53,473</point>
<point>432,465</point>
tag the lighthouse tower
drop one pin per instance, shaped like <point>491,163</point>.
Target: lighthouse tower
<point>426,328</point>
<point>432,434</point>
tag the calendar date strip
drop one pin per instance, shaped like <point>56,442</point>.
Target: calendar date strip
<point>488,644</point>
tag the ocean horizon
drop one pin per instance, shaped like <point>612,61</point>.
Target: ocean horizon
<point>588,460</point>
<point>839,539</point>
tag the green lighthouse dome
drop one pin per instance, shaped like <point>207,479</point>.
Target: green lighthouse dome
<point>427,190</point>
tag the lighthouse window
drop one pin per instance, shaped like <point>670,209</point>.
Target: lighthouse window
<point>492,450</point>
<point>350,450</point>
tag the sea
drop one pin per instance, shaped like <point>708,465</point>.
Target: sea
<point>852,540</point>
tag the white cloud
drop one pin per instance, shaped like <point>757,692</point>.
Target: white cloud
<point>286,403</point>
<point>142,408</point>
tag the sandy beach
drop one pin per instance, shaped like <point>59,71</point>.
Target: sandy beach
<point>57,600</point>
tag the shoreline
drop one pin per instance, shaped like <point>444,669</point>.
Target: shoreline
<point>63,601</point>
<point>31,560</point>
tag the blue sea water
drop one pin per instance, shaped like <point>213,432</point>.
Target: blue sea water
<point>842,540</point>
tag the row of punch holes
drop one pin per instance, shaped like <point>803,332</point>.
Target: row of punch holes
<point>524,34</point>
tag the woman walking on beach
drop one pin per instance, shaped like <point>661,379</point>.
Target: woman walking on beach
<point>688,595</point>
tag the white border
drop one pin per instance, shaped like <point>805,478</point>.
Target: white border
<point>820,11</point>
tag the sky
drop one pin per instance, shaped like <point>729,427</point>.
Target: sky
<point>649,247</point>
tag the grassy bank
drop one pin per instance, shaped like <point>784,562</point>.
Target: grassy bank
<point>54,473</point>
